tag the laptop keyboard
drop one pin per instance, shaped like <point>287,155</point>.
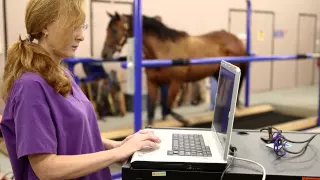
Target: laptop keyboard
<point>189,145</point>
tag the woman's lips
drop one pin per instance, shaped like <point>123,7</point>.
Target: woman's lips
<point>74,48</point>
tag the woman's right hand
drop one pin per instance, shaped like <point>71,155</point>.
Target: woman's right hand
<point>137,142</point>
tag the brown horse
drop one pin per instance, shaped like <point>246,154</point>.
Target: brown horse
<point>162,42</point>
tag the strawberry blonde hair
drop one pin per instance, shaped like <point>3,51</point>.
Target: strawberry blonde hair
<point>27,56</point>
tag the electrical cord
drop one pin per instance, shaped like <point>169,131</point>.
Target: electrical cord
<point>248,160</point>
<point>232,159</point>
<point>232,156</point>
<point>299,152</point>
<point>280,143</point>
<point>308,140</point>
<point>232,153</point>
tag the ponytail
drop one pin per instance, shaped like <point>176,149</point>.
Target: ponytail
<point>26,56</point>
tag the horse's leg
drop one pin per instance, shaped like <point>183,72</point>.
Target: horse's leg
<point>152,97</point>
<point>173,91</point>
<point>183,94</point>
<point>164,97</point>
<point>197,92</point>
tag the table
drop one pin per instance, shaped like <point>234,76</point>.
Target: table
<point>249,146</point>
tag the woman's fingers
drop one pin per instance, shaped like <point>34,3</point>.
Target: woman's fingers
<point>148,143</point>
<point>145,131</point>
<point>150,137</point>
<point>128,137</point>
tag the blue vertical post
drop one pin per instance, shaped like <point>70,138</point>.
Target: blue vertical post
<point>249,15</point>
<point>137,21</point>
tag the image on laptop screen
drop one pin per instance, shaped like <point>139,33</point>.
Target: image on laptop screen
<point>223,104</point>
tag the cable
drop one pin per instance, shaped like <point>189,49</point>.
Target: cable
<point>282,141</point>
<point>232,159</point>
<point>308,140</point>
<point>232,153</point>
<point>242,159</point>
<point>301,151</point>
<point>247,160</point>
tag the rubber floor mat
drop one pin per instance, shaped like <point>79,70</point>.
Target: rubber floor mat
<point>257,121</point>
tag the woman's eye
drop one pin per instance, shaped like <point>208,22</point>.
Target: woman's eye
<point>85,26</point>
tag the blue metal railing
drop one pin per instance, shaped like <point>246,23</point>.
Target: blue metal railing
<point>137,19</point>
<point>213,60</point>
<point>248,49</point>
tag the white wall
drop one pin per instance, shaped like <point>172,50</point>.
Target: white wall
<point>15,20</point>
<point>84,47</point>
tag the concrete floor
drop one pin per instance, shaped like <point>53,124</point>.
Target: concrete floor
<point>301,101</point>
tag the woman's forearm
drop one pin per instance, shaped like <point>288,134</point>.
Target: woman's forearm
<point>74,166</point>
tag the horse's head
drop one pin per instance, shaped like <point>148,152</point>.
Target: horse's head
<point>118,30</point>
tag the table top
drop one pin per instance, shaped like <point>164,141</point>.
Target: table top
<point>250,146</point>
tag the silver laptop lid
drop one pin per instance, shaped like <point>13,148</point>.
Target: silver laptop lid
<point>225,104</point>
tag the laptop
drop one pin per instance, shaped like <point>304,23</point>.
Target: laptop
<point>197,149</point>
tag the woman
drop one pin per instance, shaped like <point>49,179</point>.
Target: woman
<point>49,126</point>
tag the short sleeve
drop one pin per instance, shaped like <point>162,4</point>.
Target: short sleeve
<point>34,127</point>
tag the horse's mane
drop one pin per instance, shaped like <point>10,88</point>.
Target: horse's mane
<point>154,27</point>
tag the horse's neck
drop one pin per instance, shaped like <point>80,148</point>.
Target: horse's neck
<point>186,47</point>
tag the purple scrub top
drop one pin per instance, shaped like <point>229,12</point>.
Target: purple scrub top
<point>38,120</point>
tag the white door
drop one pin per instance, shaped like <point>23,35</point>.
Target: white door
<point>306,44</point>
<point>261,44</point>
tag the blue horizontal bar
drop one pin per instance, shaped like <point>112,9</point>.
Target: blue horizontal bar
<point>169,62</point>
<point>81,60</point>
<point>87,60</point>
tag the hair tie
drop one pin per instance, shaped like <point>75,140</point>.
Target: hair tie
<point>29,38</point>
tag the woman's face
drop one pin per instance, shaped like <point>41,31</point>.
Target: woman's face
<point>60,43</point>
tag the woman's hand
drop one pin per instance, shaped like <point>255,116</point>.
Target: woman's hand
<point>110,144</point>
<point>137,142</point>
<point>143,131</point>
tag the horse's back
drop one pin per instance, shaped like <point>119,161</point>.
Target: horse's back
<point>226,40</point>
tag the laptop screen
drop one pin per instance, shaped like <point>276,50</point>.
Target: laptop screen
<point>223,104</point>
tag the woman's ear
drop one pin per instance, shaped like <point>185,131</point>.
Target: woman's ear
<point>45,32</point>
